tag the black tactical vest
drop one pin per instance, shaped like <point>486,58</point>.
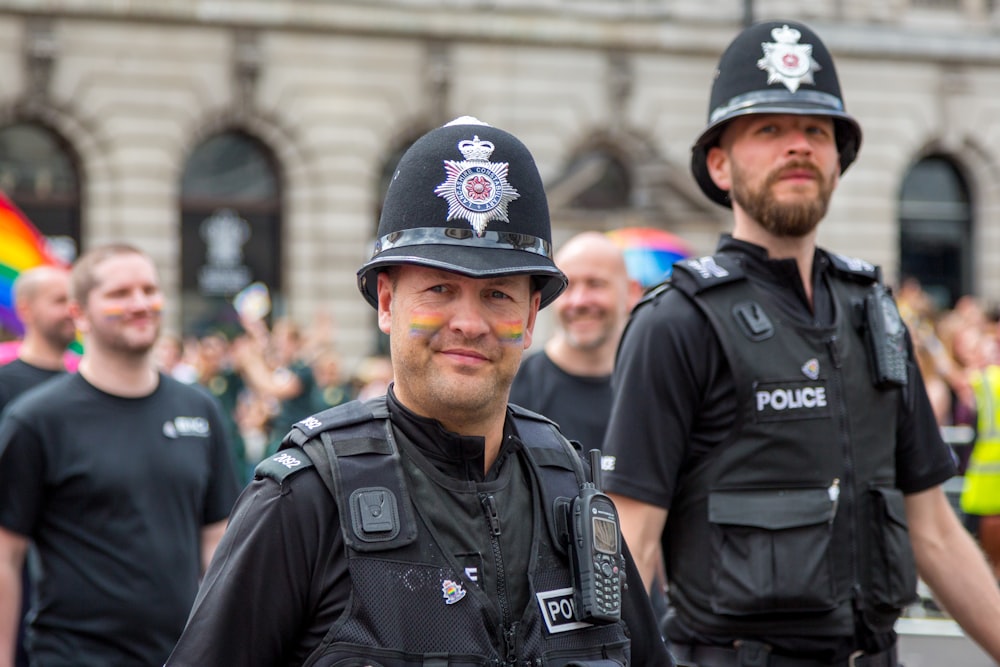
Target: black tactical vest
<point>407,590</point>
<point>793,522</point>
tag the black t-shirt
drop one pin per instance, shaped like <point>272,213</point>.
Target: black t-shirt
<point>579,404</point>
<point>113,492</point>
<point>18,377</point>
<point>675,398</point>
<point>280,580</point>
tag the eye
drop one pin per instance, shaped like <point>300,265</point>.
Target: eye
<point>499,294</point>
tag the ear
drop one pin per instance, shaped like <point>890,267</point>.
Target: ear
<point>76,312</point>
<point>529,325</point>
<point>384,300</point>
<point>717,163</point>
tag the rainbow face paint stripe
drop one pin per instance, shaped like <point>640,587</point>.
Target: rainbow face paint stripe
<point>425,324</point>
<point>511,332</point>
<point>113,312</point>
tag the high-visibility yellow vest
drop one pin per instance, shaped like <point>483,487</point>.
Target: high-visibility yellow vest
<point>981,491</point>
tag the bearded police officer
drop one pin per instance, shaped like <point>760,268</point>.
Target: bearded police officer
<point>434,525</point>
<point>767,398</point>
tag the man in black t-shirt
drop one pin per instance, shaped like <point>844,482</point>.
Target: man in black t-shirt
<point>569,380</point>
<point>41,300</point>
<point>119,476</point>
<point>768,399</point>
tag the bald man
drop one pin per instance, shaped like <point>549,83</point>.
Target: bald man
<point>41,299</point>
<point>569,381</point>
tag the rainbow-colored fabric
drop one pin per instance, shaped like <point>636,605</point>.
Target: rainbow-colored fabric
<point>22,247</point>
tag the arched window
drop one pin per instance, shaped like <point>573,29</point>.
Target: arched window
<point>595,179</point>
<point>38,171</point>
<point>230,228</point>
<point>935,229</point>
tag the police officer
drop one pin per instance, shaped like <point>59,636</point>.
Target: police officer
<point>768,400</point>
<point>425,526</point>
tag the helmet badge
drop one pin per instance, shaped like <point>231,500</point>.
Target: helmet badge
<point>475,188</point>
<point>786,61</point>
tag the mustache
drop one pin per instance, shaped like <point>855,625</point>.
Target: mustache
<point>795,165</point>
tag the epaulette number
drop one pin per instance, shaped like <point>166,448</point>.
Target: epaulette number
<point>287,460</point>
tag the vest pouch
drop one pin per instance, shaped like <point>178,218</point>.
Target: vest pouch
<point>771,551</point>
<point>614,656</point>
<point>893,570</point>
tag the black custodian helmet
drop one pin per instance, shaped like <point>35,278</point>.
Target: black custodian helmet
<point>466,198</point>
<point>774,67</point>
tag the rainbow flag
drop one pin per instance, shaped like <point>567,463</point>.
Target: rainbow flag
<point>21,247</point>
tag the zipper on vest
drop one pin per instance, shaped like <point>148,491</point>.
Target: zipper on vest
<point>831,345</point>
<point>848,481</point>
<point>509,629</point>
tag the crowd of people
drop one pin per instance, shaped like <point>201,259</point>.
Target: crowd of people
<point>771,443</point>
<point>269,377</point>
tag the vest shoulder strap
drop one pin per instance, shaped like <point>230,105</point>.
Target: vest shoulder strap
<point>283,464</point>
<point>855,269</point>
<point>558,464</point>
<point>353,450</point>
<point>696,275</point>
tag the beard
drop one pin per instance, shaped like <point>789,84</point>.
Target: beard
<point>783,219</point>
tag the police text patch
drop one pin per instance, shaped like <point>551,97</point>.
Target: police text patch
<point>559,611</point>
<point>791,400</point>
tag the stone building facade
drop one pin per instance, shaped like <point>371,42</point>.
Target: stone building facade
<point>241,140</point>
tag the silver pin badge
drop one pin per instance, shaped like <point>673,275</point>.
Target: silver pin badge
<point>477,189</point>
<point>786,61</point>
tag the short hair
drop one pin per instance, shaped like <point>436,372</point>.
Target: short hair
<point>83,281</point>
<point>28,282</point>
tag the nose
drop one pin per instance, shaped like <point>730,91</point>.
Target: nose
<point>140,300</point>
<point>467,316</point>
<point>798,141</point>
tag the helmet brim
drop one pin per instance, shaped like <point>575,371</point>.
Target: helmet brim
<point>474,262</point>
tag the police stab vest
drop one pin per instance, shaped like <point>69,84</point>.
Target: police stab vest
<point>412,605</point>
<point>981,488</point>
<point>794,521</point>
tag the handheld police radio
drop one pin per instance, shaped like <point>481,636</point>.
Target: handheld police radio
<point>595,548</point>
<point>886,338</point>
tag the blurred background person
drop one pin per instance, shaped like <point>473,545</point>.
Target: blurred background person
<point>215,372</point>
<point>271,364</point>
<point>119,475</point>
<point>41,300</point>
<point>569,380</point>
<point>170,354</point>
<point>330,389</point>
